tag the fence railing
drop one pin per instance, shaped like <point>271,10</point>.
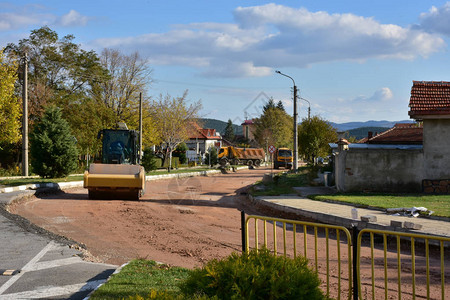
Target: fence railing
<point>403,265</point>
<point>386,264</point>
<point>307,239</point>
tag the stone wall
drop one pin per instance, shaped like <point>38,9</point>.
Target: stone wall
<point>383,169</point>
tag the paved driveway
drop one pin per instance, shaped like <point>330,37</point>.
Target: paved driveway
<point>43,266</point>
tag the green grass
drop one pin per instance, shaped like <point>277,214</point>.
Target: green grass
<point>25,181</point>
<point>440,204</point>
<point>139,277</point>
<point>282,184</point>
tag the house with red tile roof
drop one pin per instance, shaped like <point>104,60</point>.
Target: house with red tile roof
<point>201,139</point>
<point>430,103</point>
<point>400,134</point>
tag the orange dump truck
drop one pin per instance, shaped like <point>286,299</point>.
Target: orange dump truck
<point>246,156</point>
<point>283,158</point>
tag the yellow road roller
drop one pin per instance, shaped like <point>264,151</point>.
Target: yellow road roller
<point>118,176</point>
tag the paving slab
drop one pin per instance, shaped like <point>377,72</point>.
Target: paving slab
<point>341,214</point>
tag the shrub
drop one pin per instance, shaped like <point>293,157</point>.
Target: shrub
<point>256,275</point>
<point>53,148</point>
<point>149,160</point>
<point>214,158</point>
<point>180,152</point>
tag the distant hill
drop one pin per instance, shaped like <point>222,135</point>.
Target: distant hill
<point>362,132</point>
<point>352,125</point>
<point>219,126</point>
<point>357,129</point>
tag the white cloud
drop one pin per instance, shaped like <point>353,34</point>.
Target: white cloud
<point>10,21</point>
<point>35,15</point>
<point>72,18</point>
<point>381,102</point>
<point>379,95</point>
<point>436,20</point>
<point>275,36</point>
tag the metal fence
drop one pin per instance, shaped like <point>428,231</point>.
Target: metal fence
<point>305,238</point>
<point>402,265</point>
<point>389,265</point>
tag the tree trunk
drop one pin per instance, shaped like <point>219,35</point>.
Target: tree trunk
<point>170,159</point>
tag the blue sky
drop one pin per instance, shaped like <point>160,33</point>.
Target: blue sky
<point>353,60</point>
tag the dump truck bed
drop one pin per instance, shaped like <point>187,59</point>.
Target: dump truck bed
<point>250,153</point>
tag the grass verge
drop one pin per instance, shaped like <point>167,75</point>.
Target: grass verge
<point>282,183</point>
<point>139,277</point>
<point>25,181</point>
<point>440,204</point>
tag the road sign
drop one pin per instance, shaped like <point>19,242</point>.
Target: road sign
<point>272,149</point>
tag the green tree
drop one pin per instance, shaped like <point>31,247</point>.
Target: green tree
<point>60,72</point>
<point>149,160</point>
<point>211,156</point>
<point>180,152</point>
<point>229,131</point>
<point>53,149</point>
<point>270,104</point>
<point>314,136</point>
<point>280,106</point>
<point>174,118</point>
<point>274,127</point>
<point>10,109</point>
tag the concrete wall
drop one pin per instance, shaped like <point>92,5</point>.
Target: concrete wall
<point>386,170</point>
<point>436,147</point>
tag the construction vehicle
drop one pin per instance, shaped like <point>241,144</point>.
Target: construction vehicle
<point>283,157</point>
<point>236,156</point>
<point>118,176</point>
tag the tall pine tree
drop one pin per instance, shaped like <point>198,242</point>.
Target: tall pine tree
<point>53,148</point>
<point>229,131</point>
<point>280,106</point>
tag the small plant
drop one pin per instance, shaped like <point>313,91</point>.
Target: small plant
<point>149,160</point>
<point>256,275</point>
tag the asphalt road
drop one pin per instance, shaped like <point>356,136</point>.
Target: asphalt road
<point>44,266</point>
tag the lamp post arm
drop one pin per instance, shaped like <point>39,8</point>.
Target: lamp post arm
<point>309,107</point>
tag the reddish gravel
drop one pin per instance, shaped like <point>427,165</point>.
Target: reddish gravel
<point>182,222</point>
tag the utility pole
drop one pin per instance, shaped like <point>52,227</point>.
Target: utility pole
<point>140,128</point>
<point>295,138</point>
<point>25,117</point>
<point>295,130</point>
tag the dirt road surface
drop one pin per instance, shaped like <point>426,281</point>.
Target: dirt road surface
<point>182,222</point>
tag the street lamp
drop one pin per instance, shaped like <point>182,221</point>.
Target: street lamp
<point>295,122</point>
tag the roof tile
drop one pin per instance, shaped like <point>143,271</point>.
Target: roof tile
<point>429,98</point>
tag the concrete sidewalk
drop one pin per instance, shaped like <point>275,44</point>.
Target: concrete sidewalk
<point>341,214</point>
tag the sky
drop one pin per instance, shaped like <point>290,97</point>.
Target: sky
<point>350,60</point>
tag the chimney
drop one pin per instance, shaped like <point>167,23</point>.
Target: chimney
<point>369,135</point>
